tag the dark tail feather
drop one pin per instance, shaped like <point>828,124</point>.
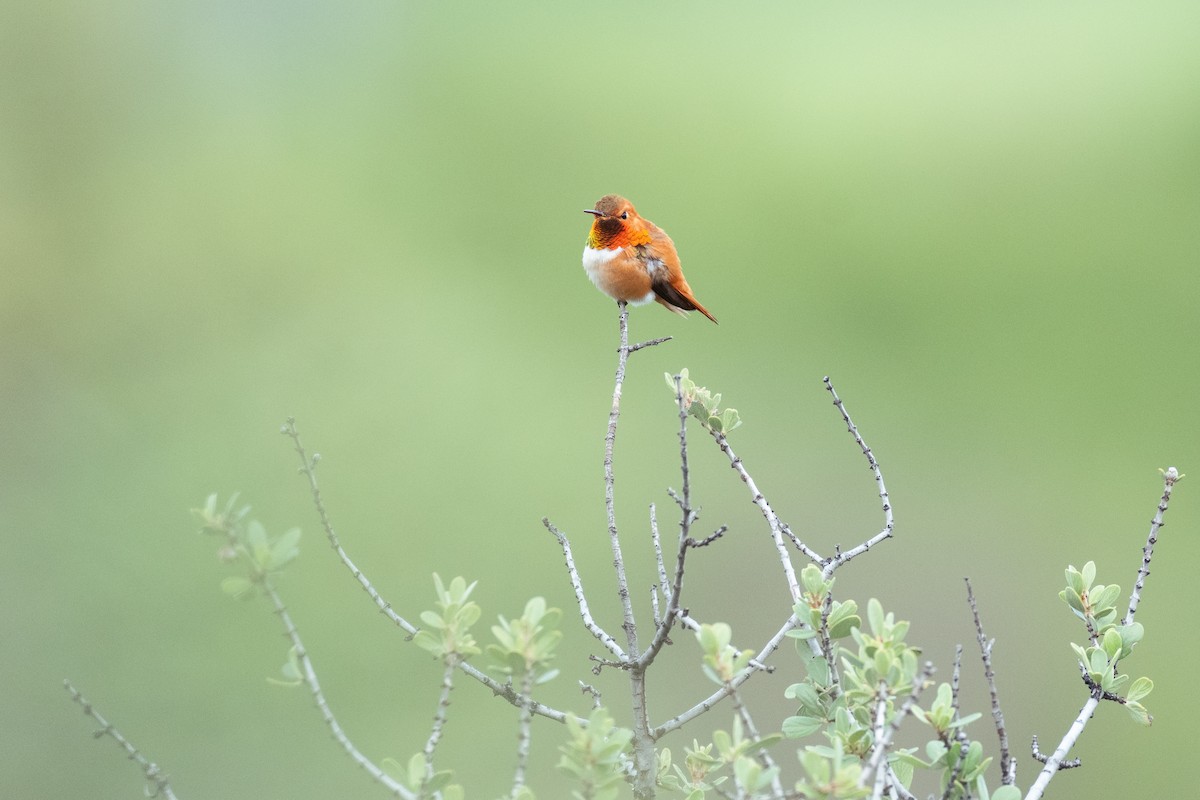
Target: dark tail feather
<point>678,301</point>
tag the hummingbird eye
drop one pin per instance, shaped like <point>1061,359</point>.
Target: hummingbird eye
<point>624,215</point>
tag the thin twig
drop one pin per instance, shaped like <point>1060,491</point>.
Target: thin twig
<point>594,693</point>
<point>1170,477</point>
<point>776,525</point>
<point>439,716</point>
<point>877,728</point>
<point>1008,764</point>
<point>661,586</point>
<point>960,733</point>
<point>524,735</point>
<point>686,517</point>
<point>308,470</point>
<point>610,438</point>
<point>1055,760</point>
<point>580,598</point>
<point>889,522</point>
<point>158,783</point>
<point>309,675</point>
<point>878,757</point>
<point>952,780</point>
<point>757,664</point>
<point>1041,757</point>
<point>752,734</point>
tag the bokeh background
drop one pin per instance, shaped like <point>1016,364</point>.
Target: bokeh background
<point>981,220</point>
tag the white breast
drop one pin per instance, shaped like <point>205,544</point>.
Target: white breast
<point>594,261</point>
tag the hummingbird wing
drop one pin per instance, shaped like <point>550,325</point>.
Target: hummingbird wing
<point>667,281</point>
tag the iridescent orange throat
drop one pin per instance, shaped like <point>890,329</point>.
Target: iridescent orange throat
<point>609,233</point>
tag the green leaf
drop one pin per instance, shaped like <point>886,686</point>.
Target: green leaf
<point>1104,596</point>
<point>812,581</point>
<point>237,587</point>
<point>1007,793</point>
<point>1139,689</point>
<point>875,616</point>
<point>1072,597</point>
<point>798,727</point>
<point>438,780</point>
<point>1139,713</point>
<point>1113,683</point>
<point>256,538</point>
<point>1075,581</point>
<point>843,619</point>
<point>806,694</point>
<point>1089,574</point>
<point>284,550</point>
<point>818,669</point>
<point>1111,642</point>
<point>416,770</point>
<point>964,721</point>
<point>392,767</point>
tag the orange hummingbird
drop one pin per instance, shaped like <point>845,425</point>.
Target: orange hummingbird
<point>630,258</point>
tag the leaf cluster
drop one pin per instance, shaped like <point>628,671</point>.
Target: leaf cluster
<point>1110,640</point>
<point>703,404</point>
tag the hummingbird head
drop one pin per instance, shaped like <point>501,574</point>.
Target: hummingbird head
<point>616,224</point>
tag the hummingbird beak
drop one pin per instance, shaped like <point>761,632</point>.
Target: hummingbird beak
<point>593,211</point>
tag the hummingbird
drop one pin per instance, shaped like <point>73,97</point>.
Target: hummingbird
<point>631,259</point>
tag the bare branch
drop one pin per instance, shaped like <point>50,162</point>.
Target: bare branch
<point>580,597</point>
<point>524,735</point>
<point>594,693</point>
<point>309,676</point>
<point>663,581</point>
<point>687,515</point>
<point>308,470</point>
<point>439,716</point>
<point>1170,477</point>
<point>778,529</point>
<point>158,783</point>
<point>889,522</point>
<point>1008,764</point>
<point>1042,758</point>
<point>877,730</point>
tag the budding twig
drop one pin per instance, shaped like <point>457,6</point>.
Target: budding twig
<point>1008,764</point>
<point>158,783</point>
<point>1170,477</point>
<point>1057,760</point>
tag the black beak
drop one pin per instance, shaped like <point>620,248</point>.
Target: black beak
<point>593,211</point>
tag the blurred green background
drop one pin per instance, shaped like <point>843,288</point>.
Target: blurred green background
<point>980,220</point>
